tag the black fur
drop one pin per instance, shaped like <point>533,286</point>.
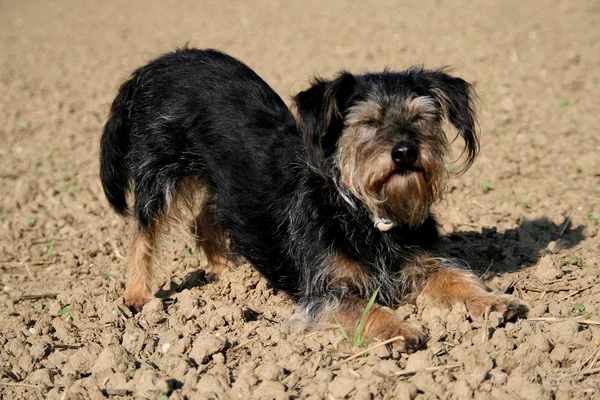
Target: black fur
<point>203,114</point>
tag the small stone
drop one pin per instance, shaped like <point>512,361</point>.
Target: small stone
<point>165,347</point>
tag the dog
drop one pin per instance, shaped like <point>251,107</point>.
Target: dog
<point>331,204</point>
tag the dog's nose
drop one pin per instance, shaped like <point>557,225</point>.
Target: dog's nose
<point>405,154</point>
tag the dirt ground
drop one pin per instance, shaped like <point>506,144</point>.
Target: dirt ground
<point>526,215</point>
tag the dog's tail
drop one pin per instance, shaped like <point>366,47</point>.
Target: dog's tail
<point>115,144</point>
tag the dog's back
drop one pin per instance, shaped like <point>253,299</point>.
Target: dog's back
<point>185,114</point>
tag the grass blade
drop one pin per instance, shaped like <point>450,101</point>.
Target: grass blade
<point>344,333</point>
<point>358,333</point>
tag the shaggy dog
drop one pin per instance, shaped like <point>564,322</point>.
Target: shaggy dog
<point>330,206</point>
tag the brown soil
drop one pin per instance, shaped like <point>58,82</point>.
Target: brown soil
<point>526,215</point>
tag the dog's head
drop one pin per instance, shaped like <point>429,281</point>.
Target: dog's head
<point>381,136</point>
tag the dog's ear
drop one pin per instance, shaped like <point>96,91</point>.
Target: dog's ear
<point>457,99</point>
<point>320,110</point>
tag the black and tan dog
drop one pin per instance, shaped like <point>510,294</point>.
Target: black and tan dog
<point>329,207</point>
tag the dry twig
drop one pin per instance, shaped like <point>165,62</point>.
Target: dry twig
<point>429,369</point>
<point>554,319</point>
<point>378,345</point>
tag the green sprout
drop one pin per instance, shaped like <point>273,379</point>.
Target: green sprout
<point>486,187</point>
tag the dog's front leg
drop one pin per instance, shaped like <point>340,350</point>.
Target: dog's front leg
<point>451,284</point>
<point>380,322</point>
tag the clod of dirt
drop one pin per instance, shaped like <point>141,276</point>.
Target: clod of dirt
<point>187,302</point>
<point>113,357</point>
<point>526,390</point>
<point>242,387</point>
<point>342,386</point>
<point>153,311</point>
<point>149,384</point>
<point>270,390</point>
<point>462,389</point>
<point>559,353</point>
<point>565,330</point>
<point>206,346</point>
<point>540,342</point>
<point>42,376</point>
<point>174,365</point>
<point>548,269</point>
<point>82,361</point>
<point>211,386</point>
<point>404,391</point>
<point>269,371</point>
<point>23,193</point>
<point>422,359</point>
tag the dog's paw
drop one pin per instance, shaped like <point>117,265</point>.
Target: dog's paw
<point>136,299</point>
<point>412,338</point>
<point>508,306</point>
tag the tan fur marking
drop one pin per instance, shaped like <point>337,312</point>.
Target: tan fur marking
<point>141,258</point>
<point>211,238</point>
<point>193,195</point>
<point>420,106</point>
<point>346,273</point>
<point>366,111</point>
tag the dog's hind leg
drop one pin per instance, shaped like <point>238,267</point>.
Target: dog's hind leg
<point>150,204</point>
<point>210,236</point>
<point>141,258</point>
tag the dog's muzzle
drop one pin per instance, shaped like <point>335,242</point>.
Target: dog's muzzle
<point>405,154</point>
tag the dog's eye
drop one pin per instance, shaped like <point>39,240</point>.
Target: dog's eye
<point>416,118</point>
<point>371,122</point>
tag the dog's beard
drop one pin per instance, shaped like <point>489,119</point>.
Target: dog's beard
<point>403,197</point>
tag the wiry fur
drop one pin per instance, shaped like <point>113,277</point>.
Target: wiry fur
<point>297,198</point>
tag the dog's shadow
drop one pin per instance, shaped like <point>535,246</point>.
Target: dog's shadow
<point>491,252</point>
<point>192,280</point>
